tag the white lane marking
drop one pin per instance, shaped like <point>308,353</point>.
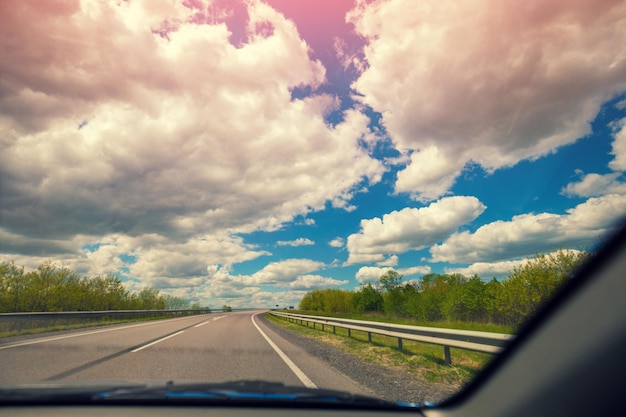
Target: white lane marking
<point>51,339</point>
<point>156,341</point>
<point>208,321</point>
<point>294,368</point>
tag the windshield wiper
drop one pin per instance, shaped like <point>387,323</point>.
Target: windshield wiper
<point>248,392</point>
<point>238,393</point>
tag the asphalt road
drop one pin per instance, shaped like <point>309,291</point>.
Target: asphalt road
<point>212,347</point>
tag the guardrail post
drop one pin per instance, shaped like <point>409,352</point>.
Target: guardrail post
<point>334,330</point>
<point>446,352</point>
<point>399,343</point>
<point>322,326</point>
<point>369,337</point>
<point>349,332</point>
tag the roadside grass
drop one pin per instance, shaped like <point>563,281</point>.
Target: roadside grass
<point>458,325</point>
<point>424,361</point>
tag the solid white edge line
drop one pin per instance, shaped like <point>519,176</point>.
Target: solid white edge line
<point>294,368</point>
<point>52,339</point>
<point>156,341</point>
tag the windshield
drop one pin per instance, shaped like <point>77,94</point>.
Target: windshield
<point>187,168</point>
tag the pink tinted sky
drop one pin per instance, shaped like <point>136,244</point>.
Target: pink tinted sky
<point>321,23</point>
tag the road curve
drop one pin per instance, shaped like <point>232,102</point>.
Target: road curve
<point>212,347</point>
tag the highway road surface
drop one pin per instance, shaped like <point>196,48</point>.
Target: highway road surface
<point>213,347</point>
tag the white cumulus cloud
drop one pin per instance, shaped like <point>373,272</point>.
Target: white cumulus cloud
<point>524,235</point>
<point>307,282</point>
<point>372,274</point>
<point>594,185</point>
<point>487,270</point>
<point>491,82</point>
<point>285,271</point>
<point>337,242</point>
<point>411,228</point>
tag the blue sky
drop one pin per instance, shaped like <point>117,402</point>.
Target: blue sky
<point>241,153</point>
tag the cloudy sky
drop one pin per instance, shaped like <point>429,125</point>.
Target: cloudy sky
<point>242,152</point>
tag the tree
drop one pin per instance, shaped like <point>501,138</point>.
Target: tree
<point>177,303</point>
<point>150,299</point>
<point>433,288</point>
<point>533,283</point>
<point>412,305</point>
<point>390,280</point>
<point>451,296</point>
<point>312,301</point>
<point>338,300</point>
<point>330,300</point>
<point>471,303</point>
<point>367,299</point>
<point>12,288</point>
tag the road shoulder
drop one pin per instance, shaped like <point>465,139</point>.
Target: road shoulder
<point>389,384</point>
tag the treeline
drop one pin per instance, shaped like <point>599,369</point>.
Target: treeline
<point>453,297</point>
<point>54,288</point>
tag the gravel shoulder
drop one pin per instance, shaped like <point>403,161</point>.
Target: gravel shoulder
<point>386,383</point>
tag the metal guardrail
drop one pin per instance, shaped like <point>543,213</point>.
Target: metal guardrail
<point>84,314</point>
<point>42,320</point>
<point>485,342</point>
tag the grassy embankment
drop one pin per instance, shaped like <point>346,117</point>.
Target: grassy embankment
<point>424,361</point>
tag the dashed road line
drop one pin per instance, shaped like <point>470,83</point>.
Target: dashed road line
<point>156,341</point>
